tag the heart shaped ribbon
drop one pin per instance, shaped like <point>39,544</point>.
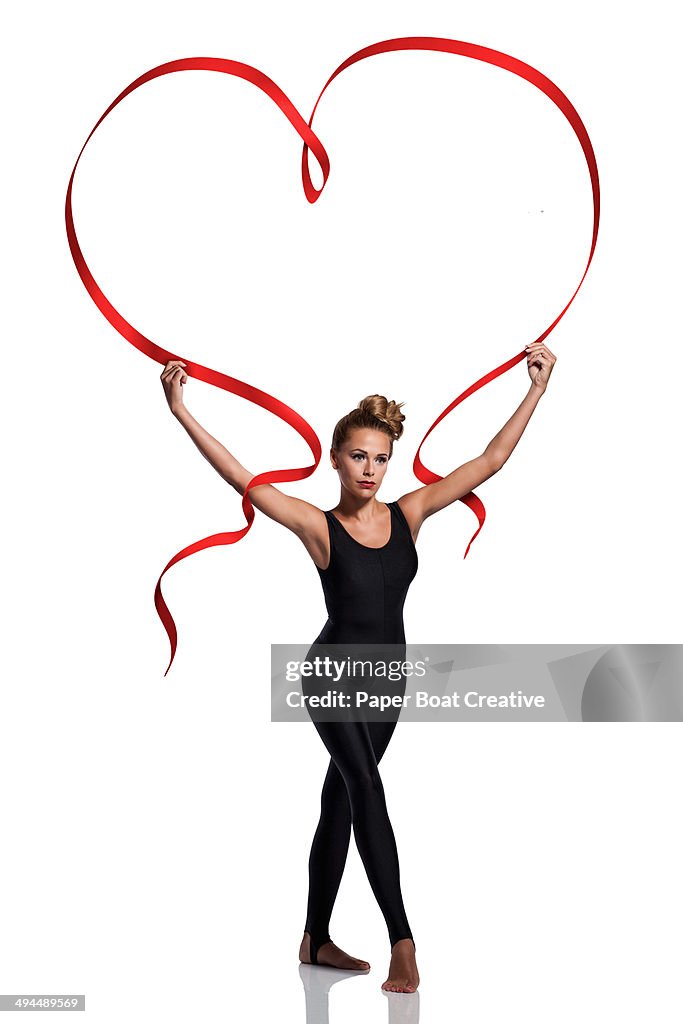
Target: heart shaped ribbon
<point>313,143</point>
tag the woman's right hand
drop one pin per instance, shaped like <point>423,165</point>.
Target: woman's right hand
<point>172,378</point>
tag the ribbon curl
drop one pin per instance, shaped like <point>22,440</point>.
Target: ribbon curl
<point>313,143</point>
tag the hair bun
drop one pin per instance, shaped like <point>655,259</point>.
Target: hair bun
<point>385,411</point>
<point>374,412</point>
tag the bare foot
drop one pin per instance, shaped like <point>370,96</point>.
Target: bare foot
<point>330,955</point>
<point>403,974</point>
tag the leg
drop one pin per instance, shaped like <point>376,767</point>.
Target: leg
<point>331,842</point>
<point>327,858</point>
<point>351,749</point>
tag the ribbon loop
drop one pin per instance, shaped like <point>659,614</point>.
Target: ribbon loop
<point>311,142</point>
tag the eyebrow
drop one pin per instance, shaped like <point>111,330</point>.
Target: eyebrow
<point>363,451</point>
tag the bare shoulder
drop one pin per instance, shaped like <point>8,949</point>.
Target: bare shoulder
<point>313,532</point>
<point>424,501</point>
<point>306,520</point>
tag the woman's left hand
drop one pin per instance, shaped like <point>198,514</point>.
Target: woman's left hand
<point>539,362</point>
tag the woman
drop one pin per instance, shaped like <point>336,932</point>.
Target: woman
<point>364,551</point>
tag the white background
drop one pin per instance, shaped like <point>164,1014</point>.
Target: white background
<point>156,830</point>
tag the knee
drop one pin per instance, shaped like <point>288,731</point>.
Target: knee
<point>365,784</point>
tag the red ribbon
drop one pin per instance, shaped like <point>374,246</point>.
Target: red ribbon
<point>312,142</point>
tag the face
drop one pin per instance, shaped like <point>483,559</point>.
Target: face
<point>363,458</point>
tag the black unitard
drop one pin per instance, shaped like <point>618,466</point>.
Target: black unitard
<point>365,590</point>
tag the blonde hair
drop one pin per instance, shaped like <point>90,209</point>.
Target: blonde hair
<point>375,412</point>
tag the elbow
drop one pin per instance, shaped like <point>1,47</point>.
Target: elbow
<point>229,480</point>
<point>496,461</point>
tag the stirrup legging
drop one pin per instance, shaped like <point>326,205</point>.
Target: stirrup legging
<point>353,794</point>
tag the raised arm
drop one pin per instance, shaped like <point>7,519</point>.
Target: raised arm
<point>425,501</point>
<point>305,520</point>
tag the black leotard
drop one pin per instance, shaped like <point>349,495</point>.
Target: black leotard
<point>365,590</point>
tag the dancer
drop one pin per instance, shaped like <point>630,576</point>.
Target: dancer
<point>365,553</point>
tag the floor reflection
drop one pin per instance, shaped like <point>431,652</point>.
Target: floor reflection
<point>403,1007</point>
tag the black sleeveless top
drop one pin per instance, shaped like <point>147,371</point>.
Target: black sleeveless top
<point>365,588</point>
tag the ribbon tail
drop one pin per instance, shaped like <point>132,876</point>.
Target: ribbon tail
<point>477,506</point>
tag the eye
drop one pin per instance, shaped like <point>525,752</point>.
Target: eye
<point>357,455</point>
